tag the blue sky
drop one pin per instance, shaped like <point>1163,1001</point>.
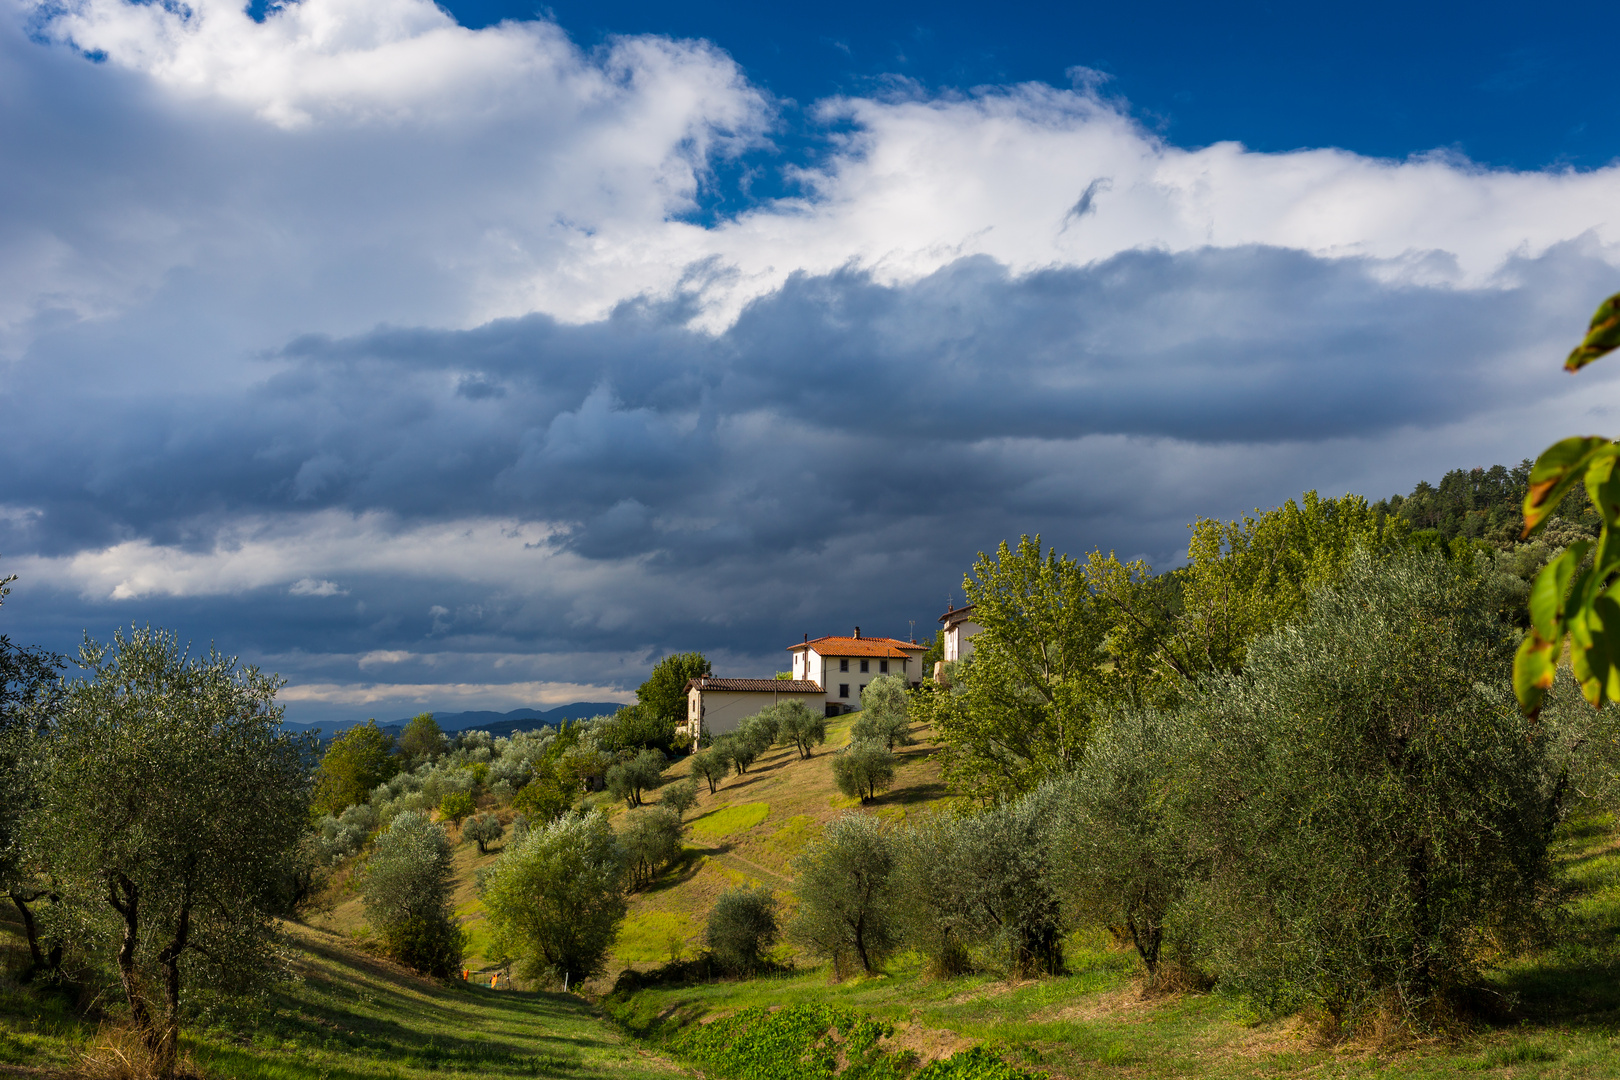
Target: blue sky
<point>457,363</point>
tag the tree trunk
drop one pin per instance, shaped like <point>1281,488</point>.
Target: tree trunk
<point>168,1049</point>
<point>125,899</point>
<point>36,958</point>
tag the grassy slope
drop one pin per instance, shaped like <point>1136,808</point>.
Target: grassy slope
<point>1096,1022</point>
<point>748,833</point>
<point>349,1016</point>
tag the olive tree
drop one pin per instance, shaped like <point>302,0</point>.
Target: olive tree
<point>556,899</point>
<point>680,797</point>
<point>1376,803</point>
<point>862,769</point>
<point>846,896</point>
<point>742,925</point>
<point>652,840</point>
<point>629,780</point>
<point>885,715</point>
<point>484,830</point>
<point>711,767</point>
<point>1124,849</point>
<point>406,892</point>
<point>178,802</point>
<point>797,725</point>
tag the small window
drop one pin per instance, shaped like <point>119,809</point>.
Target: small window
<point>861,691</point>
<point>843,665</point>
<point>866,665</point>
<point>883,666</point>
<point>843,689</point>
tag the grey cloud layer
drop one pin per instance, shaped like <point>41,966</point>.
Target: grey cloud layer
<point>837,455</point>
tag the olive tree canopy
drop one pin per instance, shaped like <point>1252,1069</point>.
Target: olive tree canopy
<point>179,804</point>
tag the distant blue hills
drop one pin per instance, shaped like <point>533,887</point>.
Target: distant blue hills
<point>496,723</point>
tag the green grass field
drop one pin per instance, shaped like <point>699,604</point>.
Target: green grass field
<point>1564,1021</point>
<point>349,1016</point>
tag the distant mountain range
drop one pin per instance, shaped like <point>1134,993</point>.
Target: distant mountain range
<point>496,723</point>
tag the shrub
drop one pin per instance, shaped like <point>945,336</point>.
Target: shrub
<point>556,900</point>
<point>846,900</point>
<point>862,769</point>
<point>406,892</point>
<point>484,830</point>
<point>742,925</point>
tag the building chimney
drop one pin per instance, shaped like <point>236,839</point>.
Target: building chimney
<point>857,632</point>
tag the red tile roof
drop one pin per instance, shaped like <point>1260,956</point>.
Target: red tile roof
<point>757,686</point>
<point>956,615</point>
<point>858,646</point>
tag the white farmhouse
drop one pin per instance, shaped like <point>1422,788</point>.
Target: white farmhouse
<point>959,631</point>
<point>844,665</point>
<point>719,706</point>
<point>828,675</point>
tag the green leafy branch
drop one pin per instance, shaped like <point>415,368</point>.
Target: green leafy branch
<point>1575,599</point>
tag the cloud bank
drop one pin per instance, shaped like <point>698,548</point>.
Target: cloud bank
<point>396,355</point>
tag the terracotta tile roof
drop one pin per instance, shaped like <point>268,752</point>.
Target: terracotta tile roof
<point>757,686</point>
<point>858,646</point>
<point>956,615</point>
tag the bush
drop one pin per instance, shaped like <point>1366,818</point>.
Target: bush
<point>556,900</point>
<point>846,899</point>
<point>406,892</point>
<point>484,830</point>
<point>742,925</point>
<point>862,769</point>
<point>651,841</point>
<point>1377,806</point>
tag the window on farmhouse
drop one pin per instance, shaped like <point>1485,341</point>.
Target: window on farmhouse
<point>865,665</point>
<point>883,666</point>
<point>843,689</point>
<point>843,665</point>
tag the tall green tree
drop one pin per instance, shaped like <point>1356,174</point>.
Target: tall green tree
<point>663,695</point>
<point>178,803</point>
<point>1243,578</point>
<point>355,762</point>
<point>423,739</point>
<point>1020,707</point>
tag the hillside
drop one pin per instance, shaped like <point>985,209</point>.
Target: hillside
<point>350,1016</point>
<point>746,833</point>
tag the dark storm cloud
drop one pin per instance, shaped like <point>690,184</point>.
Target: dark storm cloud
<point>843,448</point>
